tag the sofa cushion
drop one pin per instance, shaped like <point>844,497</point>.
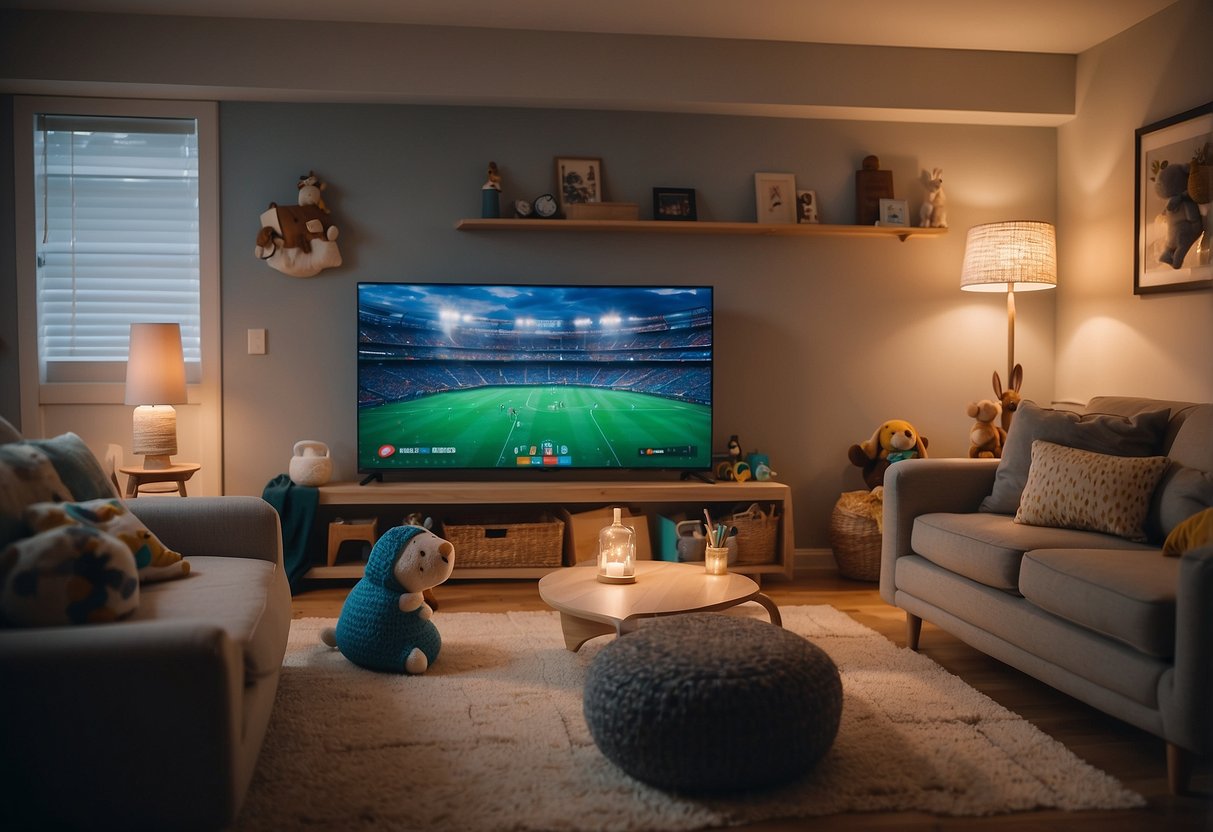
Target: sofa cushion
<point>229,592</point>
<point>76,466</point>
<point>987,548</point>
<point>1139,435</point>
<point>1074,489</point>
<point>1127,595</point>
<point>26,476</point>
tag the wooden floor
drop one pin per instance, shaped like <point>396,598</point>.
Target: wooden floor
<point>1134,757</point>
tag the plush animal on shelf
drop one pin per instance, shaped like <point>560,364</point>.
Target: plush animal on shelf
<point>1181,212</point>
<point>934,212</point>
<point>893,441</point>
<point>299,240</point>
<point>385,623</point>
<point>1008,399</point>
<point>985,438</point>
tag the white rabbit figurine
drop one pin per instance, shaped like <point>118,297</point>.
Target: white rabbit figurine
<point>934,212</point>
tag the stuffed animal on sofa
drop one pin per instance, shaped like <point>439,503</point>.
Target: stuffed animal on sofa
<point>985,438</point>
<point>1181,212</point>
<point>385,623</point>
<point>892,442</point>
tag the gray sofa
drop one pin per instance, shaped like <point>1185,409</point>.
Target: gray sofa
<point>1110,621</point>
<point>155,721</point>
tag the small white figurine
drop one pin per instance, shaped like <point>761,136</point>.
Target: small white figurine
<point>934,212</point>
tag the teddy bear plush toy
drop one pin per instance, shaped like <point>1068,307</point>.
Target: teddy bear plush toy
<point>1181,212</point>
<point>385,623</point>
<point>985,438</point>
<point>892,442</point>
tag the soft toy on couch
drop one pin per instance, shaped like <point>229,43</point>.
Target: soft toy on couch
<point>385,623</point>
<point>985,438</point>
<point>892,442</point>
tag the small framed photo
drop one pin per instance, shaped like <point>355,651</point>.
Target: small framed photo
<point>578,179</point>
<point>894,212</point>
<point>806,207</point>
<point>775,197</point>
<point>674,204</point>
<point>1173,249</point>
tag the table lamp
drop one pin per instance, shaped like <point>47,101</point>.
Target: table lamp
<point>1014,256</point>
<point>155,381</point>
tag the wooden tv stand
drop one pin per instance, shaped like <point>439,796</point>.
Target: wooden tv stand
<point>653,497</point>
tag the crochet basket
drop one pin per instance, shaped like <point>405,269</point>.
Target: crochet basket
<point>855,537</point>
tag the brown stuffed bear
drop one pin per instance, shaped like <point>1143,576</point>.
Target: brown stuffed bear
<point>985,438</point>
<point>892,442</point>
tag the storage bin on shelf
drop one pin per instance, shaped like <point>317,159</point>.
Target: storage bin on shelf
<point>756,534</point>
<point>855,534</point>
<point>506,543</point>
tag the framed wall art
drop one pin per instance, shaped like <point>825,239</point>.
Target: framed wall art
<point>674,204</point>
<point>894,212</point>
<point>775,197</point>
<point>578,179</point>
<point>1173,244</point>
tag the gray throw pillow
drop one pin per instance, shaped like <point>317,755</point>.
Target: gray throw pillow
<point>1183,492</point>
<point>1101,433</point>
<point>76,466</point>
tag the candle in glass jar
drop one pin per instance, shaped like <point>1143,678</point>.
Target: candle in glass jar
<point>614,569</point>
<point>716,560</point>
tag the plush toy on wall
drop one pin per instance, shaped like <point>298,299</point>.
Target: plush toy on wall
<point>1181,212</point>
<point>985,438</point>
<point>385,623</point>
<point>299,240</point>
<point>893,441</point>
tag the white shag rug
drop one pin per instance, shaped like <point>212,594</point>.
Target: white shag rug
<point>493,738</point>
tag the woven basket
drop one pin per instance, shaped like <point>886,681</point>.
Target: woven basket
<point>855,538</point>
<point>755,534</point>
<point>507,544</point>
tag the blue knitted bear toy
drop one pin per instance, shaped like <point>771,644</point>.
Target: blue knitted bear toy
<point>385,623</point>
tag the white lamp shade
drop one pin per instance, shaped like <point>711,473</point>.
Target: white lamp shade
<point>155,368</point>
<point>1019,256</point>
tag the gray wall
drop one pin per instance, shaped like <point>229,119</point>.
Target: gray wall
<point>819,339</point>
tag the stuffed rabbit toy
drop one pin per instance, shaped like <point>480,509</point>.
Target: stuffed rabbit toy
<point>1009,398</point>
<point>934,212</point>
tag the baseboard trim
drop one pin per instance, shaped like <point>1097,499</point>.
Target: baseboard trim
<point>805,561</point>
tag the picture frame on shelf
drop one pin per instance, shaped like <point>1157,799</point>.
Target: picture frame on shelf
<point>775,197</point>
<point>1173,239</point>
<point>578,179</point>
<point>674,204</point>
<point>894,212</point>
<point>806,207</point>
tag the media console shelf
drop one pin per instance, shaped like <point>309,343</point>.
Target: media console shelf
<point>902,233</point>
<point>654,497</point>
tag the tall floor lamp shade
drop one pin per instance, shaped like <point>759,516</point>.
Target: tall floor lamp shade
<point>155,381</point>
<point>1015,256</point>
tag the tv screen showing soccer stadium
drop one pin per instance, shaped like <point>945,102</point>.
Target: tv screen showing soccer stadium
<point>475,377</point>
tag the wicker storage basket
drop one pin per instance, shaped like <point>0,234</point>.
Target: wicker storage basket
<point>855,537</point>
<point>755,534</point>
<point>507,544</point>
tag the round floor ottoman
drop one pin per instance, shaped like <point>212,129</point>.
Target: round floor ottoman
<point>712,703</point>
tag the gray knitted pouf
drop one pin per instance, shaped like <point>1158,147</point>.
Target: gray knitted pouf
<point>709,703</point>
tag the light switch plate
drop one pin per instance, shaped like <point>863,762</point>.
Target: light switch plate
<point>256,342</point>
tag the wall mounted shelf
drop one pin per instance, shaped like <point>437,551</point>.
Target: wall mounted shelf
<point>675,227</point>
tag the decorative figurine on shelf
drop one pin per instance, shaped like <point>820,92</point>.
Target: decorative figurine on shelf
<point>490,194</point>
<point>871,185</point>
<point>985,438</point>
<point>299,240</point>
<point>892,442</point>
<point>735,469</point>
<point>934,212</point>
<point>385,622</point>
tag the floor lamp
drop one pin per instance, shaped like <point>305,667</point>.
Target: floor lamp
<point>155,381</point>
<point>1015,256</point>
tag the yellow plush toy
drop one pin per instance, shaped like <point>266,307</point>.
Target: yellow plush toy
<point>892,442</point>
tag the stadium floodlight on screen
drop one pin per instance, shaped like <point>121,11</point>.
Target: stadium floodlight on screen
<point>458,377</point>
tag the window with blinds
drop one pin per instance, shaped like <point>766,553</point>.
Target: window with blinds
<point>117,239</point>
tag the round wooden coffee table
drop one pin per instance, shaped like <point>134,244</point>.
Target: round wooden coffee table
<point>589,608</point>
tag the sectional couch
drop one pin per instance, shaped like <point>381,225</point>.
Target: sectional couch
<point>1102,615</point>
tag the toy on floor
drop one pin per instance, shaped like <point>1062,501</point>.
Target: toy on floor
<point>985,438</point>
<point>385,623</point>
<point>892,442</point>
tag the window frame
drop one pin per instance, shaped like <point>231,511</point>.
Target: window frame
<point>34,391</point>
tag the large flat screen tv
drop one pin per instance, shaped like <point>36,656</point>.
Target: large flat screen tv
<point>461,377</point>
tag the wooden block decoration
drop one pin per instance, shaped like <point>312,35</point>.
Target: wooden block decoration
<point>343,530</point>
<point>871,186</point>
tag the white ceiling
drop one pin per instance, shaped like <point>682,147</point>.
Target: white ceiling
<point>1065,26</point>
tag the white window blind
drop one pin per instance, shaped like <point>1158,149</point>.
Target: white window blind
<point>118,238</point>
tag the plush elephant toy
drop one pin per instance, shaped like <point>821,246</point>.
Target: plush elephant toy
<point>385,623</point>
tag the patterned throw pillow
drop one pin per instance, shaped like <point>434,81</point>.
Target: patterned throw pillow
<point>68,575</point>
<point>1070,488</point>
<point>1193,533</point>
<point>26,476</point>
<point>154,560</point>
